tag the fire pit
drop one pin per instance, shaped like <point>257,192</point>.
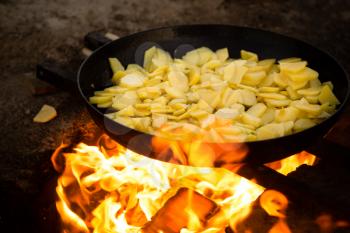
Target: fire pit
<point>105,187</point>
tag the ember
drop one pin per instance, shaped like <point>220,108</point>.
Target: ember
<point>111,189</point>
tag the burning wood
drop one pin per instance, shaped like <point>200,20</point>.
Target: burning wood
<point>184,209</point>
<point>111,189</point>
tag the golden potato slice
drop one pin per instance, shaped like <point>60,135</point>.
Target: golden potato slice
<point>257,109</point>
<point>268,116</point>
<point>100,99</point>
<point>234,72</point>
<point>132,80</point>
<point>327,96</point>
<point>178,80</point>
<point>275,96</point>
<point>246,55</point>
<point>147,60</point>
<point>269,89</point>
<point>269,131</point>
<point>126,99</point>
<point>286,114</point>
<point>253,78</point>
<point>302,124</point>
<point>306,74</point>
<point>277,102</point>
<point>115,65</point>
<point>251,120</point>
<point>267,64</point>
<point>293,67</point>
<point>311,91</point>
<point>289,60</point>
<point>222,54</point>
<point>127,112</point>
<point>46,114</point>
<point>227,113</point>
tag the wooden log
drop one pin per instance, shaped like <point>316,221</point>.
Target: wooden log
<point>173,216</point>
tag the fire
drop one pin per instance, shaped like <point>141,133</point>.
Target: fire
<point>289,164</point>
<point>112,189</point>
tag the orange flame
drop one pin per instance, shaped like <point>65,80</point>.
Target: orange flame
<point>289,164</point>
<point>112,189</point>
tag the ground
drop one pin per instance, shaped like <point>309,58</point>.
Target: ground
<point>32,30</point>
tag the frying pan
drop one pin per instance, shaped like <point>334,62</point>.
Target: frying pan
<point>95,74</point>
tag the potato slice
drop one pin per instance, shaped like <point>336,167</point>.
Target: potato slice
<point>253,78</point>
<point>234,72</point>
<point>293,67</point>
<point>205,54</point>
<point>124,100</point>
<point>250,56</point>
<point>251,120</point>
<point>289,60</point>
<point>127,112</point>
<point>46,114</point>
<point>100,99</point>
<point>275,96</point>
<point>178,80</point>
<point>280,79</point>
<point>199,114</point>
<point>266,64</point>
<point>132,80</point>
<point>269,131</point>
<point>147,60</point>
<point>293,94</point>
<point>161,58</point>
<point>303,124</point>
<point>276,102</point>
<point>227,113</point>
<point>327,96</point>
<point>311,91</point>
<point>222,54</point>
<point>174,92</point>
<point>268,116</point>
<point>269,89</point>
<point>209,96</point>
<point>306,107</point>
<point>267,81</point>
<point>306,74</point>
<point>286,114</point>
<point>115,65</point>
<point>158,120</point>
<point>192,57</point>
<point>257,109</point>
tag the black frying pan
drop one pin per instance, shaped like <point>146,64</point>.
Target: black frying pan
<point>95,74</point>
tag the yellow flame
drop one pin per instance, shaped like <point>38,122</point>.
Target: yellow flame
<point>122,192</point>
<point>289,164</point>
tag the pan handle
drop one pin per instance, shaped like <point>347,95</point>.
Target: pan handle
<point>53,73</point>
<point>56,75</point>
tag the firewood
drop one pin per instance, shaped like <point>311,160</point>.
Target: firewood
<point>172,217</point>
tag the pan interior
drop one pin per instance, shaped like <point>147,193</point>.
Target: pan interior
<point>95,73</point>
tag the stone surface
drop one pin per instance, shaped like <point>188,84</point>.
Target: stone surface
<point>31,30</point>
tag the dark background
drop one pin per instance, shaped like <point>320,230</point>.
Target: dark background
<point>32,30</point>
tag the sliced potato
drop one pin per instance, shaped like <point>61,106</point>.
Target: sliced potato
<point>220,98</point>
<point>222,54</point>
<point>115,65</point>
<point>250,56</point>
<point>327,96</point>
<point>269,131</point>
<point>46,114</point>
<point>292,67</point>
